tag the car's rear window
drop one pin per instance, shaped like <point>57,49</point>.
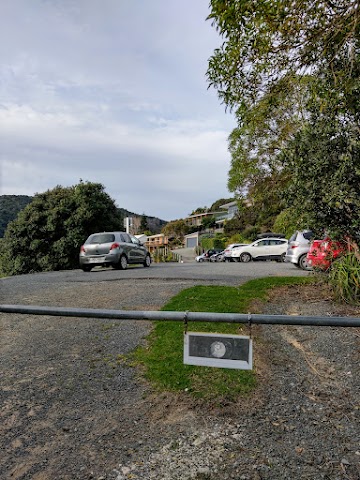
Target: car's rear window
<point>308,235</point>
<point>102,238</point>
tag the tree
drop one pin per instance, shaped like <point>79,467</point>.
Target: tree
<point>48,233</point>
<point>283,67</point>
<point>143,223</point>
<point>199,210</point>
<point>208,222</point>
<point>325,161</point>
<point>267,41</point>
<point>176,229</point>
<point>10,206</point>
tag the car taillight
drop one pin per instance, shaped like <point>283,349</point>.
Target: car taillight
<point>293,246</point>
<point>82,249</point>
<point>114,245</point>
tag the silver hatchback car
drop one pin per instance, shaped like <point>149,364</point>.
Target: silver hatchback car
<point>116,249</point>
<point>299,245</point>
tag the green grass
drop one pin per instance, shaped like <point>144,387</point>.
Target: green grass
<point>162,358</point>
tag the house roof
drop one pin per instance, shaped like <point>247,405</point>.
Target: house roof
<point>228,205</point>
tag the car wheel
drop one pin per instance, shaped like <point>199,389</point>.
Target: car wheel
<point>303,263</point>
<point>245,257</point>
<point>123,263</point>
<point>147,261</point>
<point>86,268</point>
<point>282,258</point>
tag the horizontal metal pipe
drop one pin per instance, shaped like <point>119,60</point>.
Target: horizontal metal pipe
<point>182,316</point>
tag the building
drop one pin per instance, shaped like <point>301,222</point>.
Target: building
<point>158,243</point>
<point>230,211</point>
<point>196,219</point>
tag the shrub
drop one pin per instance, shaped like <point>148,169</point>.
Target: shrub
<point>344,277</point>
<point>213,242</point>
<point>286,223</point>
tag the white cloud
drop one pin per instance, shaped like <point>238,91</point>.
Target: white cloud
<point>114,92</point>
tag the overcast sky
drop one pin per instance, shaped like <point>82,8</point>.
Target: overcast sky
<point>112,91</point>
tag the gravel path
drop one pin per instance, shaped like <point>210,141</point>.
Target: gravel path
<point>71,408</point>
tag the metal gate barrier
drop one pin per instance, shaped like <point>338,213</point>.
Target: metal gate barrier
<point>252,319</point>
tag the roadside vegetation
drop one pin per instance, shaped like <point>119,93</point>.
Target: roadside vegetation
<point>344,278</point>
<point>162,357</point>
<point>290,73</point>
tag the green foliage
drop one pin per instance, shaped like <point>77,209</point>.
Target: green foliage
<point>268,41</point>
<point>48,233</point>
<point>235,225</point>
<point>161,257</point>
<point>287,222</point>
<point>199,210</point>
<point>216,242</point>
<point>143,223</point>
<point>251,233</point>
<point>236,238</point>
<point>344,277</point>
<point>208,222</point>
<point>325,161</point>
<point>10,206</point>
<point>290,71</point>
<point>206,242</point>
<point>176,229</point>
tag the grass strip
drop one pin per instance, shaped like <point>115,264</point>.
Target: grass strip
<point>162,357</point>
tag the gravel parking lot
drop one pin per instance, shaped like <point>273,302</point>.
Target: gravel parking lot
<point>72,409</point>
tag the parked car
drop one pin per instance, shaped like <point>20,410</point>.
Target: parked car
<point>229,249</point>
<point>205,257</point>
<point>322,253</point>
<point>299,245</point>
<point>116,249</point>
<point>217,257</point>
<point>264,249</point>
<point>200,258</point>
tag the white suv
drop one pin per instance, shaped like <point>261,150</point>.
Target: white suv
<point>263,249</point>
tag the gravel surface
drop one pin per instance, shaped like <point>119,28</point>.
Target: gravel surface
<point>72,409</point>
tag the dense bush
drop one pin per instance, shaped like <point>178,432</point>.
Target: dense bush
<point>287,223</point>
<point>208,243</point>
<point>47,233</point>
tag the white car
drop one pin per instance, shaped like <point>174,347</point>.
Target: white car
<point>263,249</point>
<point>229,249</point>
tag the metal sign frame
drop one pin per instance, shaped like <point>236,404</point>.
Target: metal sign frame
<point>217,346</point>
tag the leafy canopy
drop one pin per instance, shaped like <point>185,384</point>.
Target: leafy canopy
<point>290,72</point>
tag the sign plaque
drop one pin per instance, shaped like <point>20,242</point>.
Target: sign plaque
<point>218,350</point>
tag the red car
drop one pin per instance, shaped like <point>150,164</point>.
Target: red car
<point>323,252</point>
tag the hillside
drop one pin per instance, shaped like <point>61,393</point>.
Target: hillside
<point>11,205</point>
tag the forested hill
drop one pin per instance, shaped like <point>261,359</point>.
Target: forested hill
<point>11,205</point>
